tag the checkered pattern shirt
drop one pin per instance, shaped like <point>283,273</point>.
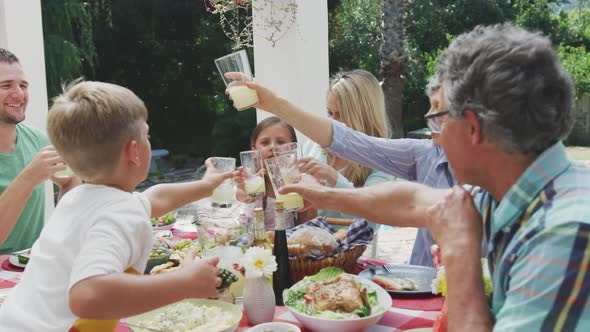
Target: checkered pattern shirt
<point>411,159</point>
<point>539,246</point>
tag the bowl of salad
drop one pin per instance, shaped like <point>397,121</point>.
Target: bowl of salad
<point>333,300</point>
<point>165,222</point>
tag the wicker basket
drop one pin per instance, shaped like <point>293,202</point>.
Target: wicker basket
<point>302,266</point>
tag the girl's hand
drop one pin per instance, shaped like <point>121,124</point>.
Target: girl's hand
<point>318,169</point>
<point>241,194</point>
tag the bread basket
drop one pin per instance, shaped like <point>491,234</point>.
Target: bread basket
<point>302,266</point>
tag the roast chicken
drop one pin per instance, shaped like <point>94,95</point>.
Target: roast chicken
<point>340,294</point>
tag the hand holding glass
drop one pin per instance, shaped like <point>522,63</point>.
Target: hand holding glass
<point>283,170</point>
<point>242,96</point>
<point>224,194</point>
<point>254,176</point>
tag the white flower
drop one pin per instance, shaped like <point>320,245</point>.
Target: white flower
<point>259,262</point>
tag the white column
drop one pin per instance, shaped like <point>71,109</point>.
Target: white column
<point>297,66</point>
<point>21,32</point>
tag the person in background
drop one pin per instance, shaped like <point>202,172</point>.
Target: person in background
<point>356,100</point>
<point>268,134</point>
<point>26,162</point>
<point>506,108</point>
<point>83,270</point>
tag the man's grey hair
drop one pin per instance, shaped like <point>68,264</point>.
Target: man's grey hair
<point>512,79</point>
<point>7,57</point>
<point>432,86</point>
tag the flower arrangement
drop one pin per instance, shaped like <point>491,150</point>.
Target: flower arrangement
<point>439,283</point>
<point>259,262</point>
<point>235,18</point>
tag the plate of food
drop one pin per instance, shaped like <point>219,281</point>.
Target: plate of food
<point>333,300</point>
<point>189,315</point>
<point>165,222</point>
<point>403,280</point>
<point>20,258</point>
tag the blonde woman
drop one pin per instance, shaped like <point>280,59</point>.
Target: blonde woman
<point>355,98</point>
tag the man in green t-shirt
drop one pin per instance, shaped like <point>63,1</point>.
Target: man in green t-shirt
<point>26,162</point>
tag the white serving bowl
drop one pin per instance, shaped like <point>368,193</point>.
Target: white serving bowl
<point>275,327</point>
<point>318,324</point>
<point>233,310</point>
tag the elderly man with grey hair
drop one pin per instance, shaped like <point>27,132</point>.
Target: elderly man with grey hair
<point>507,107</point>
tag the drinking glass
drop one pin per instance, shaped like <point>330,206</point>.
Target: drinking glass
<point>67,173</point>
<point>283,170</point>
<point>287,148</point>
<point>237,62</point>
<point>254,178</point>
<point>223,196</point>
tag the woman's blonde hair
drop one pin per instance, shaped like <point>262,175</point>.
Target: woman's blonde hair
<point>90,122</point>
<point>361,104</point>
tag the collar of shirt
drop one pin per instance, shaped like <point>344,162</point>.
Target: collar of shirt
<point>552,162</point>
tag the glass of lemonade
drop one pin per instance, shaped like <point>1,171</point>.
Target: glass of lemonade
<point>223,196</point>
<point>287,148</point>
<point>67,173</point>
<point>283,170</point>
<point>242,96</point>
<point>254,176</point>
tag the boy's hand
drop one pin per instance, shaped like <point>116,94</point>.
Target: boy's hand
<point>200,277</point>
<point>213,176</point>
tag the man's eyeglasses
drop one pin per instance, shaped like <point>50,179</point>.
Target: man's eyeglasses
<point>434,121</point>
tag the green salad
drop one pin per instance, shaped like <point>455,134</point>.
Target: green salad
<point>298,299</point>
<point>165,220</point>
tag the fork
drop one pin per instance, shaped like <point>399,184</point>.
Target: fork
<point>389,267</point>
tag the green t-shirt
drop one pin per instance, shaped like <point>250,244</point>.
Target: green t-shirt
<point>28,227</point>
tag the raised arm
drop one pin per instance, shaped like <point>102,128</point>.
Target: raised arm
<point>397,203</point>
<point>14,199</point>
<point>170,196</point>
<point>317,128</point>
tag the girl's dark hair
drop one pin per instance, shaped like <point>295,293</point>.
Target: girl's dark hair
<point>271,121</point>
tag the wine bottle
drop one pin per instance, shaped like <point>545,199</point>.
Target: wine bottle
<point>260,239</point>
<point>282,276</point>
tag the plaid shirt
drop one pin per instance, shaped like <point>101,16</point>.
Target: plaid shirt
<point>539,246</point>
<point>411,159</point>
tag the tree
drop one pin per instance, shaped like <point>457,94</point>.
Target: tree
<point>392,57</point>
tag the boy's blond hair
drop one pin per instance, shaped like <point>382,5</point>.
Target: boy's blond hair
<point>91,122</point>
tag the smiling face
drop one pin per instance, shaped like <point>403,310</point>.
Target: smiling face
<point>14,93</point>
<point>271,137</point>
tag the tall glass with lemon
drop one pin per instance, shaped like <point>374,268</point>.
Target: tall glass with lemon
<point>254,175</point>
<point>283,170</point>
<point>237,63</point>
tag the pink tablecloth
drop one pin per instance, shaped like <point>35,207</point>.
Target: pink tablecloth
<point>397,318</point>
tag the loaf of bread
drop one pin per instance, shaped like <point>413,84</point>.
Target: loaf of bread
<point>313,240</point>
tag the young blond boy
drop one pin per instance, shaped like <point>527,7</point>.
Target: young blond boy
<point>87,261</point>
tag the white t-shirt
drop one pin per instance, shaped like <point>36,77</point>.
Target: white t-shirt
<point>94,230</point>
